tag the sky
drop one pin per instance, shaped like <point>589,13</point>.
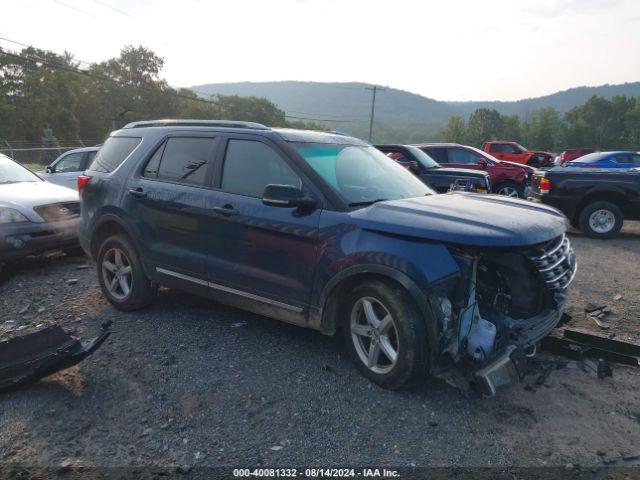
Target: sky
<point>444,49</point>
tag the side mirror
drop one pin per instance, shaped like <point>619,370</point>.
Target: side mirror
<point>287,196</point>
<point>482,161</point>
<point>414,166</point>
<point>49,169</point>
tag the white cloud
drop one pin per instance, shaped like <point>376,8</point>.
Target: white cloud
<point>494,49</point>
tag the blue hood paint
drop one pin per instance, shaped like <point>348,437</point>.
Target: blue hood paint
<point>465,219</point>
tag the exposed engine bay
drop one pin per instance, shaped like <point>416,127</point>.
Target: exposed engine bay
<point>504,304</point>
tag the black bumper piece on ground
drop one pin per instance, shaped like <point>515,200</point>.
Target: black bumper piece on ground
<point>32,356</point>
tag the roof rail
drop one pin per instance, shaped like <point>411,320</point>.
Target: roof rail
<point>195,123</point>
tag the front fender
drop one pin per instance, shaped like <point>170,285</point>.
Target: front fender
<point>413,263</point>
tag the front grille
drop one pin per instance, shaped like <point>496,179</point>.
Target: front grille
<point>556,263</point>
<point>56,212</point>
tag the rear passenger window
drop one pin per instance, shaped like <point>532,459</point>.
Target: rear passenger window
<point>181,159</point>
<point>438,154</point>
<point>459,155</point>
<point>114,151</point>
<point>250,166</point>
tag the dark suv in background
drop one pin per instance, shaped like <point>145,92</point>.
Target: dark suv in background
<point>510,179</point>
<point>325,231</point>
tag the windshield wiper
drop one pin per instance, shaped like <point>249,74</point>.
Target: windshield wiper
<point>368,202</point>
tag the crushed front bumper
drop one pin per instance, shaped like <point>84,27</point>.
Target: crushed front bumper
<point>501,371</point>
<point>18,240</point>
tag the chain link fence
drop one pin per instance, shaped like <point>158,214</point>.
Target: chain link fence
<point>38,154</point>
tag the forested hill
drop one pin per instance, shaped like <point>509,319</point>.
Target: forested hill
<point>400,114</point>
<point>562,101</point>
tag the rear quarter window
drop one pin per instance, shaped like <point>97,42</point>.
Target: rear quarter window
<point>114,151</point>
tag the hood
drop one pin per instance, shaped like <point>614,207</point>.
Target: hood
<point>465,219</point>
<point>460,171</point>
<point>521,166</point>
<point>24,196</point>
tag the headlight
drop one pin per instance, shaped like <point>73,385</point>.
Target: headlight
<point>9,215</point>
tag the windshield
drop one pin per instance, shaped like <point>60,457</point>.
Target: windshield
<point>524,149</point>
<point>482,153</point>
<point>11,172</point>
<point>362,175</point>
<point>422,157</point>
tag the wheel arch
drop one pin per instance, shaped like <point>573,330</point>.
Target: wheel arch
<point>616,197</point>
<point>324,317</point>
<point>110,224</point>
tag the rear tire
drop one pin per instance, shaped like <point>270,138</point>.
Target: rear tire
<point>399,339</point>
<point>121,276</point>
<point>510,189</point>
<point>601,219</point>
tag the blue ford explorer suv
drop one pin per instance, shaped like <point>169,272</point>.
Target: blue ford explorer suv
<point>326,232</point>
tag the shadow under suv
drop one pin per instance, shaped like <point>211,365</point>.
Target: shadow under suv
<point>326,232</point>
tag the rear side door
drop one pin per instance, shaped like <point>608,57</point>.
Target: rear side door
<point>166,201</point>
<point>260,254</point>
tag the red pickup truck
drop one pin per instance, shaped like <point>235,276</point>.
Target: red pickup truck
<point>514,152</point>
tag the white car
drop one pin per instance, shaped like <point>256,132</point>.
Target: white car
<point>34,215</point>
<point>65,169</point>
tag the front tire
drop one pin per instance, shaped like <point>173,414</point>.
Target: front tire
<point>385,334</point>
<point>601,220</point>
<point>121,276</point>
<point>510,189</point>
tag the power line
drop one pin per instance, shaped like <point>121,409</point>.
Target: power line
<point>53,65</point>
<point>34,59</point>
<point>74,8</point>
<point>121,12</point>
<point>26,45</point>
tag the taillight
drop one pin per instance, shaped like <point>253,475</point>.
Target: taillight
<point>544,185</point>
<point>82,181</point>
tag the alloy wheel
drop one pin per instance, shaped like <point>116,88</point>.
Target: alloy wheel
<point>508,192</point>
<point>374,335</point>
<point>117,273</point>
<point>602,221</point>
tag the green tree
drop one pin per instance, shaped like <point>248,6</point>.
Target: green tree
<point>455,130</point>
<point>484,124</point>
<point>511,128</point>
<point>543,130</point>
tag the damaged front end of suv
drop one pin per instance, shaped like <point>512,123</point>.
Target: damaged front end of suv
<point>492,315</point>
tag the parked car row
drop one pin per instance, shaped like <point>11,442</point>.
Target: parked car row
<point>327,232</point>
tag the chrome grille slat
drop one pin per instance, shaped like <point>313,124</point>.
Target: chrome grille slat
<point>556,264</point>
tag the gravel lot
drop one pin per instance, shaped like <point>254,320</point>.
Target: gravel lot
<point>191,382</point>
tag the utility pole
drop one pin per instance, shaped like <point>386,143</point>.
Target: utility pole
<point>374,89</point>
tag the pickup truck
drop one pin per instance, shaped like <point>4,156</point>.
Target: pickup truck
<point>514,152</point>
<point>596,201</point>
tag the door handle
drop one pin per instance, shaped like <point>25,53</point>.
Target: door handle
<point>227,210</point>
<point>137,192</point>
